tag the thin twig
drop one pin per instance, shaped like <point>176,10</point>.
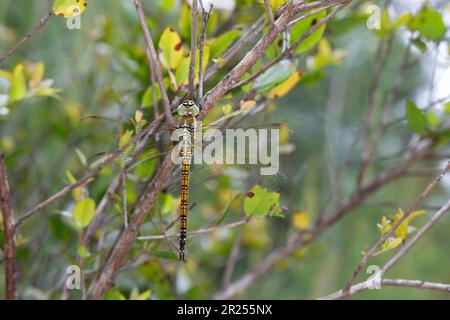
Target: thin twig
<point>205,18</point>
<point>413,207</point>
<point>199,231</point>
<point>154,97</point>
<point>41,23</point>
<point>9,232</point>
<point>358,197</point>
<point>193,55</point>
<point>290,50</point>
<point>232,259</point>
<point>153,63</point>
<point>88,177</point>
<point>369,285</point>
<point>410,242</point>
<point>257,51</point>
<point>269,13</point>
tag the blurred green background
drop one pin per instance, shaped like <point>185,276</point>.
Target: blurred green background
<point>40,136</point>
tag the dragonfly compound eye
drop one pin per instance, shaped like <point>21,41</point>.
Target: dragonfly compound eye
<point>181,110</point>
<point>195,110</point>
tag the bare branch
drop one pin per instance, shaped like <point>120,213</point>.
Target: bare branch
<point>366,285</point>
<point>255,53</point>
<point>409,243</point>
<point>88,177</point>
<point>290,50</point>
<point>41,23</point>
<point>193,56</point>
<point>269,12</point>
<point>358,197</point>
<point>199,231</point>
<point>205,18</point>
<point>9,232</point>
<point>128,236</point>
<point>153,63</point>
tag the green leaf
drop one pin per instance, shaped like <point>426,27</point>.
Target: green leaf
<point>345,24</point>
<point>165,201</point>
<point>275,75</point>
<point>222,42</point>
<point>135,295</point>
<point>416,118</point>
<point>303,26</point>
<point>419,44</point>
<point>259,201</point>
<point>114,294</point>
<point>184,21</point>
<point>326,56</point>
<point>432,119</point>
<point>171,49</point>
<point>84,212</point>
<point>429,23</point>
<point>69,8</point>
<point>182,72</point>
<point>147,98</point>
<point>18,85</point>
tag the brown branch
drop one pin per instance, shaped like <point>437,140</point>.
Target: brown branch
<point>290,50</point>
<point>87,178</point>
<point>269,12</point>
<point>235,48</point>
<point>366,285</point>
<point>413,207</point>
<point>199,231</point>
<point>409,243</point>
<point>191,83</point>
<point>41,23</point>
<point>153,63</point>
<point>358,197</point>
<point>251,57</point>
<point>9,231</point>
<point>128,236</point>
<point>205,18</point>
<point>232,259</point>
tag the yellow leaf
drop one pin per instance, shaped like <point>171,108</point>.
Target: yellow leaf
<point>402,230</point>
<point>36,71</point>
<point>84,212</point>
<point>274,4</point>
<point>389,244</point>
<point>69,8</point>
<point>18,85</point>
<point>301,220</point>
<point>77,192</point>
<point>285,86</point>
<point>138,116</point>
<point>227,108</point>
<point>7,75</point>
<point>245,105</point>
<point>171,49</point>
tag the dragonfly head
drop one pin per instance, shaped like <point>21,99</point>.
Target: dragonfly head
<point>188,108</point>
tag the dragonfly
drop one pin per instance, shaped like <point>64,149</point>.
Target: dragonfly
<point>188,112</point>
<point>184,144</point>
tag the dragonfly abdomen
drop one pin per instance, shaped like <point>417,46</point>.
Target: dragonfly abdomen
<point>186,154</point>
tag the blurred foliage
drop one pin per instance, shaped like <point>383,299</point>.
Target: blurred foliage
<point>62,75</point>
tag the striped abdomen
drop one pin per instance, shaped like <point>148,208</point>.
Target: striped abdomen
<point>184,203</point>
<point>186,155</point>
